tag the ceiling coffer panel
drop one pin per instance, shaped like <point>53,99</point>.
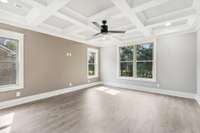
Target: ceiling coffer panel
<point>89,7</point>
<point>16,7</point>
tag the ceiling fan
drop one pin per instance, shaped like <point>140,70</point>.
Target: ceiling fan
<point>104,29</point>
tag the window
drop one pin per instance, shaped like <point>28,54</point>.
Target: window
<point>137,61</point>
<point>11,60</point>
<point>92,60</point>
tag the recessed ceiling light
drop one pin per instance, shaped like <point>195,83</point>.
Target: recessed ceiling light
<point>168,24</point>
<point>4,1</point>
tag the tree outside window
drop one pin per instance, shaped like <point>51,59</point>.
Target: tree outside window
<point>137,61</point>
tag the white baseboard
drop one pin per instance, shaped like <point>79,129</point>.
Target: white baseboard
<point>152,90</point>
<point>41,96</point>
<point>32,98</point>
<point>198,99</point>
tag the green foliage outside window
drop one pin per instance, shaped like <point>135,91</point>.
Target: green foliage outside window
<point>126,53</point>
<point>8,54</point>
<point>11,44</point>
<point>91,64</point>
<point>137,61</point>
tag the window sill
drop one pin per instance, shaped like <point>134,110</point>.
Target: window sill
<point>137,79</point>
<point>93,77</point>
<point>5,88</point>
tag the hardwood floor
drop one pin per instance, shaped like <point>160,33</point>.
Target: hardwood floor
<point>106,110</point>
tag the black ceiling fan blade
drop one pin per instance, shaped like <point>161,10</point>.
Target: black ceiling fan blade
<point>115,31</point>
<point>97,25</point>
<point>96,34</point>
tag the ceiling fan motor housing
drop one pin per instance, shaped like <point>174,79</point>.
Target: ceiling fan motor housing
<point>104,27</point>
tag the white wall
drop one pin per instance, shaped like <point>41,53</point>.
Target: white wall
<point>176,64</point>
<point>198,63</point>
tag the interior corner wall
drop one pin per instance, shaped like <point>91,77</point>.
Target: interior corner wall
<point>175,65</point>
<point>46,66</point>
<point>198,63</point>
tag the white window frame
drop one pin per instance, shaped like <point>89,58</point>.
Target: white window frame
<point>137,42</point>
<point>20,60</point>
<point>96,60</point>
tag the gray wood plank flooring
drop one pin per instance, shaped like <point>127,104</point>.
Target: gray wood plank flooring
<point>106,110</point>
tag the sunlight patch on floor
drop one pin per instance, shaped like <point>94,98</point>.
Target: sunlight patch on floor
<point>108,90</point>
<point>6,122</point>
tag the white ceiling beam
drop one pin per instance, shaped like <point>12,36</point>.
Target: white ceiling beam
<point>184,13</point>
<point>168,21</point>
<point>162,23</point>
<point>196,5</point>
<point>174,29</point>
<point>126,10</point>
<point>195,21</point>
<point>74,14</point>
<point>35,11</point>
<point>33,3</point>
<point>49,10</point>
<point>42,29</point>
<point>12,17</point>
<point>76,18</point>
<point>132,31</point>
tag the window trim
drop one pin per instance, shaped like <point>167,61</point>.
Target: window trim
<point>130,43</point>
<point>20,66</point>
<point>96,63</point>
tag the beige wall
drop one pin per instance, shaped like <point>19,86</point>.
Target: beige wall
<point>47,67</point>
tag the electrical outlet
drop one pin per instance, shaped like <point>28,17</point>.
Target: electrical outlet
<point>70,84</point>
<point>18,94</point>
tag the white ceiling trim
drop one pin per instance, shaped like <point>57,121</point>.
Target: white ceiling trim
<point>48,11</point>
<point>172,16</point>
<point>126,10</point>
<point>140,24</point>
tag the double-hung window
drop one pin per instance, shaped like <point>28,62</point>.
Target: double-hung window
<point>137,61</point>
<point>92,63</point>
<point>11,60</point>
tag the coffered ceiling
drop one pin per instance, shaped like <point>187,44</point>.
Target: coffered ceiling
<point>71,19</point>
